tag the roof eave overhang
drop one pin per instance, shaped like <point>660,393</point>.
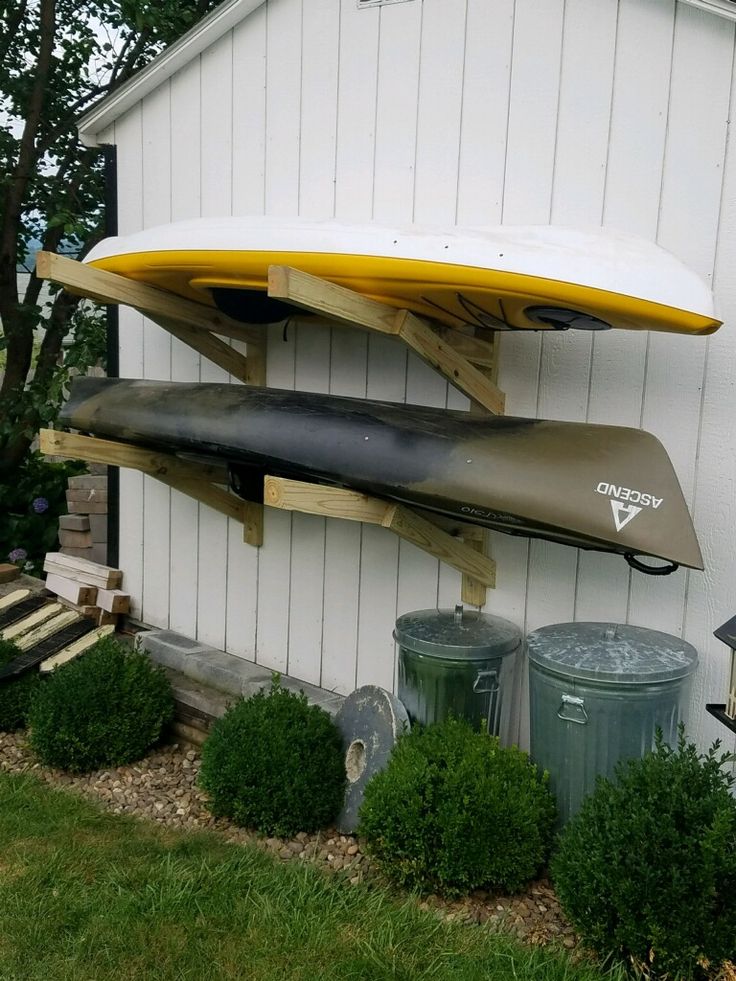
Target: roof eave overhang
<point>210,29</point>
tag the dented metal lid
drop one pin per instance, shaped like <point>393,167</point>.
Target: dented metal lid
<point>460,634</point>
<point>611,653</point>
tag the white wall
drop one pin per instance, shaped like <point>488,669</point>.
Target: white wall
<point>445,111</point>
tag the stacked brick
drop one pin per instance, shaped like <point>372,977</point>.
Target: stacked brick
<point>83,531</point>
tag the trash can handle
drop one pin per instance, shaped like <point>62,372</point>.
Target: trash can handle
<point>492,689</point>
<point>485,674</point>
<point>572,709</point>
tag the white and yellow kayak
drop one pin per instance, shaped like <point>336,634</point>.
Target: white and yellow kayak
<point>507,277</point>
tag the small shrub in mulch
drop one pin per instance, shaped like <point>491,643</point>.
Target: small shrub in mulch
<point>646,871</point>
<point>106,708</point>
<point>15,695</point>
<point>455,811</point>
<point>275,763</point>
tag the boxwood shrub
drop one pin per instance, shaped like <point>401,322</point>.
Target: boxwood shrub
<point>646,871</point>
<point>274,763</point>
<point>15,695</point>
<point>454,811</point>
<point>106,708</point>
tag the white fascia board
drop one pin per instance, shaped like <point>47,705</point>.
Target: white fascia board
<point>212,27</point>
<point>722,8</point>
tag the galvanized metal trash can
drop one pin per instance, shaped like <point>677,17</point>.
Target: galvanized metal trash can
<point>457,662</point>
<point>598,692</point>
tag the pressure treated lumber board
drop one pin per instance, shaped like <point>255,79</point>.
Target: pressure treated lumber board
<point>69,589</point>
<point>198,480</point>
<point>349,307</point>
<point>107,287</point>
<point>335,502</point>
<point>82,570</point>
<point>113,600</point>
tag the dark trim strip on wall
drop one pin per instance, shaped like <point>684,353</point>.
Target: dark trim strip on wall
<point>113,354</point>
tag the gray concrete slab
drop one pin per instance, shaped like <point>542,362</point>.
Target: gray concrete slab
<point>228,674</point>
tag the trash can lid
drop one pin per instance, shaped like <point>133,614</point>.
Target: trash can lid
<point>611,653</point>
<point>458,633</point>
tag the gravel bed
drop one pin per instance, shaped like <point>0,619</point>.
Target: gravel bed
<point>163,788</point>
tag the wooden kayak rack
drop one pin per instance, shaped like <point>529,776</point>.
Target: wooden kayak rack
<point>467,361</point>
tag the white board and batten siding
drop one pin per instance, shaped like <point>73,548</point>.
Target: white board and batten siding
<point>444,112</point>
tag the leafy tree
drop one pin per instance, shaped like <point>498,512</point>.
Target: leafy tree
<point>57,58</point>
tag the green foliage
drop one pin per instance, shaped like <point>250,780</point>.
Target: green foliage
<point>454,811</point>
<point>57,58</point>
<point>106,708</point>
<point>275,763</point>
<point>646,870</point>
<point>92,896</point>
<point>30,506</point>
<point>16,695</point>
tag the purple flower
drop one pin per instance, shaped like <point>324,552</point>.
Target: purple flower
<point>18,556</point>
<point>40,504</point>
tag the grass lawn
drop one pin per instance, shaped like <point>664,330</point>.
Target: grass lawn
<point>90,895</point>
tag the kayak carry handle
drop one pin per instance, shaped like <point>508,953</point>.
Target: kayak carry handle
<point>650,570</point>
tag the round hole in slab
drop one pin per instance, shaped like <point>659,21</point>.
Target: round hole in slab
<point>355,760</point>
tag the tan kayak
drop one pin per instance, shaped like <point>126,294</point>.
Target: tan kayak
<point>599,487</point>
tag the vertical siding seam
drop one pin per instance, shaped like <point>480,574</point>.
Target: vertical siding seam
<point>357,624</point>
<point>656,239</point>
<point>416,115</point>
<point>199,357</point>
<point>231,35</point>
<point>171,339</point>
<point>265,121</point>
<point>460,130</point>
<point>143,370</point>
<point>301,111</point>
<point>508,112</point>
<point>375,115</point>
<point>337,123</point>
<point>706,359</point>
<point>553,175</point>
<point>610,115</point>
<point>593,342</point>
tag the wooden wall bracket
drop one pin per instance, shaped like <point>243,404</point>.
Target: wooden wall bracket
<point>201,481</point>
<point>350,308</point>
<point>336,502</point>
<point>468,362</point>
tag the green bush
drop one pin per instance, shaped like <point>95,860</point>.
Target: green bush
<point>15,695</point>
<point>104,709</point>
<point>30,506</point>
<point>275,763</point>
<point>454,811</point>
<point>646,871</point>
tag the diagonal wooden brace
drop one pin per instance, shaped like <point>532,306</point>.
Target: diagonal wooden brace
<point>348,307</point>
<point>197,480</point>
<point>195,324</point>
<point>336,502</point>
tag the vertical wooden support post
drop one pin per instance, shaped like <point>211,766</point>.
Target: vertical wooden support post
<point>255,375</point>
<point>473,592</point>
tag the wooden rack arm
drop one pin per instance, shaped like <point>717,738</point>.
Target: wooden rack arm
<point>335,502</point>
<point>348,307</point>
<point>335,302</point>
<point>194,479</point>
<point>107,287</point>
